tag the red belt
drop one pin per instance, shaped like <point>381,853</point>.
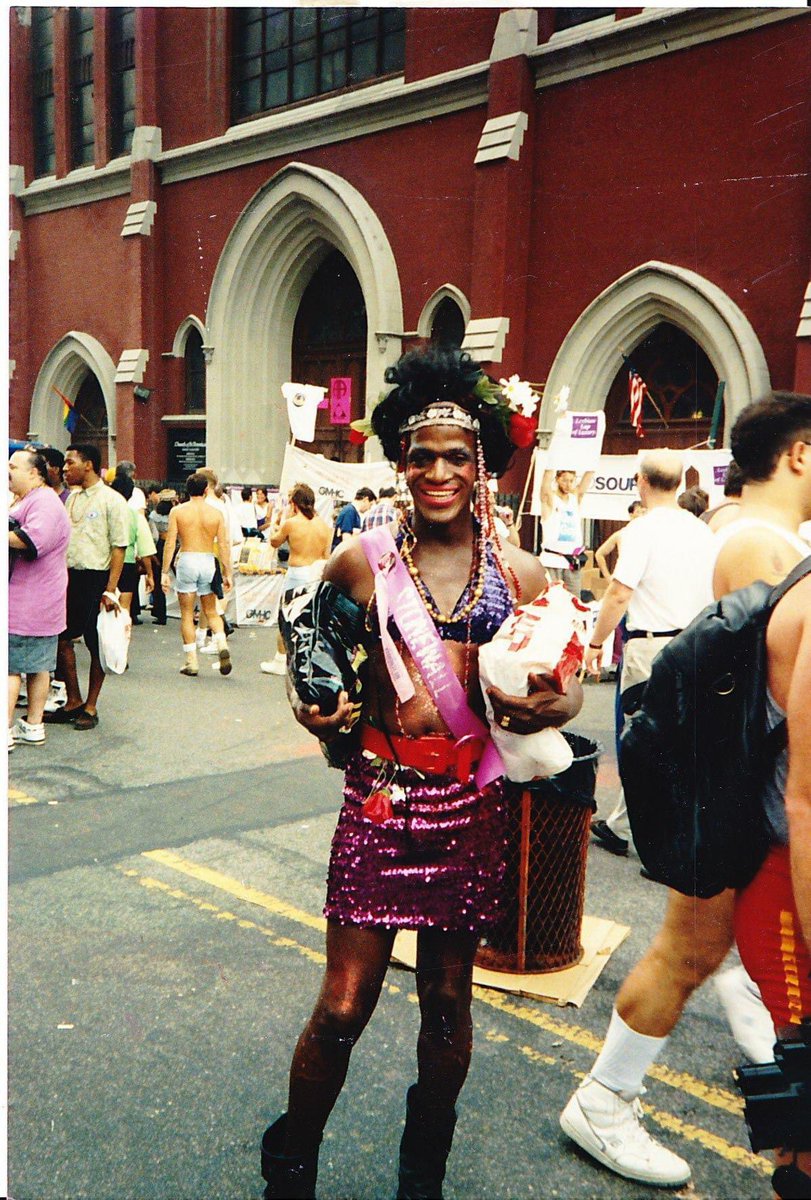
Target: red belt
<point>435,754</point>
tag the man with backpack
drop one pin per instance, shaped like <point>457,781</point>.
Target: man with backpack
<point>771,442</point>
<point>660,582</point>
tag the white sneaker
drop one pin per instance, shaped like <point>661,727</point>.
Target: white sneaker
<point>57,696</point>
<point>276,666</point>
<point>610,1129</point>
<point>207,647</point>
<point>33,735</point>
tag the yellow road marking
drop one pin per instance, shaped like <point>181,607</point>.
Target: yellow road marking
<point>251,895</point>
<point>681,1081</point>
<point>17,797</point>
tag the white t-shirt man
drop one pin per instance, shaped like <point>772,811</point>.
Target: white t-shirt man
<point>667,557</point>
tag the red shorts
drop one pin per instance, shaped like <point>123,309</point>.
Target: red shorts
<point>770,941</point>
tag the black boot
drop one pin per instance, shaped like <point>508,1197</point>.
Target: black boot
<point>287,1178</point>
<point>424,1150</point>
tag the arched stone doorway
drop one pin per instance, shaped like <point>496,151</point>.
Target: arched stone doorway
<point>622,317</point>
<point>329,340</point>
<point>300,217</point>
<point>80,368</point>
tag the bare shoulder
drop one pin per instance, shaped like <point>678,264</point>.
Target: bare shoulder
<point>753,553</point>
<point>349,571</point>
<point>530,573</point>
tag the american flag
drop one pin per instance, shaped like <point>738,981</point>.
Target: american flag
<point>636,393</point>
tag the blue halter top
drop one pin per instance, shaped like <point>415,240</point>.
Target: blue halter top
<point>492,610</point>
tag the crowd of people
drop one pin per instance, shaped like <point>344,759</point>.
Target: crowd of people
<point>428,572</point>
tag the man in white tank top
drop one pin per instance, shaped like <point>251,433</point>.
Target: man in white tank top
<point>771,442</point>
<point>562,525</point>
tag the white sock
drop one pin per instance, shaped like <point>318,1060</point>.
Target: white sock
<point>220,641</point>
<point>200,638</point>
<point>281,658</point>
<point>190,649</point>
<point>625,1058</point>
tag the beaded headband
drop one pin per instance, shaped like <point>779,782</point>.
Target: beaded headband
<point>441,412</point>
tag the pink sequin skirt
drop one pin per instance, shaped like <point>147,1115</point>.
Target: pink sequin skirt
<point>437,862</point>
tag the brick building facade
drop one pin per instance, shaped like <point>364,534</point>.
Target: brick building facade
<point>206,202</point>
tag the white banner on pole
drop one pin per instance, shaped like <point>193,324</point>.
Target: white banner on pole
<point>614,488</point>
<point>332,482</point>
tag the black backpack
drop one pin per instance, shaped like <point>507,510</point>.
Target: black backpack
<point>693,757</point>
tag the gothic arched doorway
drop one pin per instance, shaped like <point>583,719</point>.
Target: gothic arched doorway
<point>329,341</point>
<point>682,381</point>
<point>91,417</point>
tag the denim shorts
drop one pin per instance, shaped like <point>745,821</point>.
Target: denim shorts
<point>31,655</point>
<point>194,572</point>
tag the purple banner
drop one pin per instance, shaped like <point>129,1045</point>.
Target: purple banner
<point>719,474</point>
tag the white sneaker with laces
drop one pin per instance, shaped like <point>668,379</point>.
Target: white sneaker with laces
<point>57,696</point>
<point>207,647</point>
<point>276,666</point>
<point>33,735</point>
<point>610,1129</point>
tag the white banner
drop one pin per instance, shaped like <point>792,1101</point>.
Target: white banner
<point>303,400</point>
<point>613,487</point>
<point>332,482</point>
<point>576,442</point>
<point>258,598</point>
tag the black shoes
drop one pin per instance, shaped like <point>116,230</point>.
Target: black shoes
<point>608,839</point>
<point>424,1150</point>
<point>287,1178</point>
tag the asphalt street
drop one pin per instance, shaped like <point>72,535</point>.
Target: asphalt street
<point>166,944</point>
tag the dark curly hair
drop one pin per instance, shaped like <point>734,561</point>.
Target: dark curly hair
<point>432,373</point>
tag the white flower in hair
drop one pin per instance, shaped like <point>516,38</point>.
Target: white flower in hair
<point>519,395</point>
<point>562,399</point>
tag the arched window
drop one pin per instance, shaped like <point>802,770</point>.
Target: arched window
<point>195,373</point>
<point>448,324</point>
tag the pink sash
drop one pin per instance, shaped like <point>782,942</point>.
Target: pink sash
<point>396,594</point>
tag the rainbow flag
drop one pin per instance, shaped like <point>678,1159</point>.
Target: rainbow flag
<point>70,417</point>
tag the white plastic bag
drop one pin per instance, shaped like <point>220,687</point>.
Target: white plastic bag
<point>115,629</point>
<point>549,637</point>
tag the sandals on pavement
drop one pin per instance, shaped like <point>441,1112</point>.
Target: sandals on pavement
<point>86,721</point>
<point>62,716</point>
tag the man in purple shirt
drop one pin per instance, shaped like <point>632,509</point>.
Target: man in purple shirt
<point>39,532</point>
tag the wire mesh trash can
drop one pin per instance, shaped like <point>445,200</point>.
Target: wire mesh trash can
<point>545,880</point>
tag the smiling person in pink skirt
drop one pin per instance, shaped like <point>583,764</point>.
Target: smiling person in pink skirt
<point>420,838</point>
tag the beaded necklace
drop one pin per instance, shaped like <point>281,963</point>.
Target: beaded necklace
<point>478,571</point>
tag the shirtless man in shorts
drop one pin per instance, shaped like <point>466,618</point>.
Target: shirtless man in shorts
<point>197,526</point>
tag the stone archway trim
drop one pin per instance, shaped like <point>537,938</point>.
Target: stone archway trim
<point>64,367</point>
<point>623,315</point>
<point>189,322</point>
<point>269,257</point>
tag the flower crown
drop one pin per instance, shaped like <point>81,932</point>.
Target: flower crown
<point>513,402</point>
